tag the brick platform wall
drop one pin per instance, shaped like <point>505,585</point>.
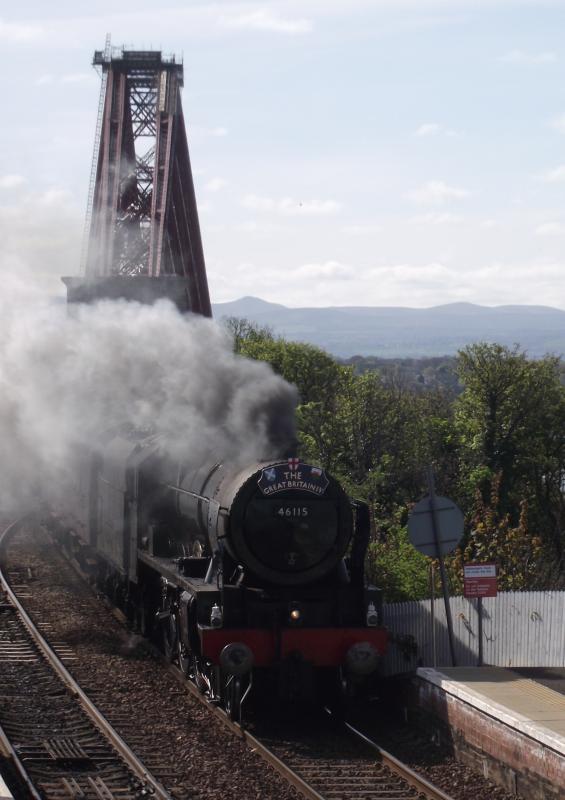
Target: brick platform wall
<point>510,758</point>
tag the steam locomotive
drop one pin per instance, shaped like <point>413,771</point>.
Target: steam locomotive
<point>249,576</point>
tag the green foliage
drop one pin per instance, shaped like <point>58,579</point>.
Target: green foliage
<point>493,429</point>
<point>417,374</point>
<point>502,415</point>
<point>320,380</point>
<point>516,552</point>
<point>396,567</point>
<point>245,332</point>
<point>510,420</point>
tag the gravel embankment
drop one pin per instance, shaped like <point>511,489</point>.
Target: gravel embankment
<point>184,745</point>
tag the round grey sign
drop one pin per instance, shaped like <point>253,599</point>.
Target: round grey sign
<point>449,526</point>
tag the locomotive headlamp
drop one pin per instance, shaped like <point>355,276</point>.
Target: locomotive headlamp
<point>216,616</point>
<point>236,658</point>
<point>294,614</point>
<point>362,658</point>
<point>372,616</point>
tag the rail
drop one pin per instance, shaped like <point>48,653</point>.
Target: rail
<point>408,783</point>
<point>416,782</point>
<point>251,741</point>
<point>128,756</point>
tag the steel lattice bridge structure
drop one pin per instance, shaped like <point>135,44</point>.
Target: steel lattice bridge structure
<point>142,236</point>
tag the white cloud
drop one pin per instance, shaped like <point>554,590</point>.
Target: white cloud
<point>433,129</point>
<point>54,197</point>
<point>263,19</point>
<point>556,175</point>
<point>204,133</point>
<point>524,278</point>
<point>212,228</point>
<point>424,284</point>
<point>290,207</point>
<point>437,218</point>
<point>314,208</point>
<point>215,184</point>
<point>312,283</point>
<point>252,226</point>
<point>559,123</point>
<point>256,203</point>
<point>72,78</point>
<point>41,235</point>
<point>437,193</point>
<point>79,77</point>
<point>428,129</point>
<point>19,32</point>
<point>522,57</point>
<point>329,270</point>
<point>424,274</point>
<point>11,181</point>
<point>550,229</point>
<point>362,230</point>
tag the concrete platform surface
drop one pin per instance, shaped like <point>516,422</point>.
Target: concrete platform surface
<point>4,793</point>
<point>552,677</point>
<point>522,703</point>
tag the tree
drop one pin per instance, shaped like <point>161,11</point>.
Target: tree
<point>395,566</point>
<point>498,449</point>
<point>510,422</point>
<point>504,414</point>
<point>517,553</point>
<point>385,433</point>
<point>243,331</point>
<point>320,381</point>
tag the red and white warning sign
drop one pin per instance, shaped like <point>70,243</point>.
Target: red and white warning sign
<point>479,580</point>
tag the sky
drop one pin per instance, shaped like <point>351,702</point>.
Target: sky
<point>345,152</point>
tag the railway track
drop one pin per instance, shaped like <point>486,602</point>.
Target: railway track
<point>332,761</point>
<point>353,766</point>
<point>57,742</point>
<point>174,735</point>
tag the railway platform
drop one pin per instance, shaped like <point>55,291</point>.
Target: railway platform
<point>5,793</point>
<point>506,724</point>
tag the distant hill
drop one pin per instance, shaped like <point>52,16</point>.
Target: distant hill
<point>395,332</point>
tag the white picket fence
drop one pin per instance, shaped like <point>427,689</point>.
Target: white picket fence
<point>520,629</point>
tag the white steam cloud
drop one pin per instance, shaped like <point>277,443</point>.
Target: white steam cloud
<point>67,378</point>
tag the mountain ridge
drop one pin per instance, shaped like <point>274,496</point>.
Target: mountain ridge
<point>404,332</point>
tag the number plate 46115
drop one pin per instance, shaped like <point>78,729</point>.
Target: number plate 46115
<point>291,511</point>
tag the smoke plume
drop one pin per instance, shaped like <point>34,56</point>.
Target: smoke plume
<point>68,378</point>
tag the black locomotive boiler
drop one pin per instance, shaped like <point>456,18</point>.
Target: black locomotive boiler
<point>250,576</point>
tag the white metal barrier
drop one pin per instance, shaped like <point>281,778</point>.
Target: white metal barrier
<point>520,629</point>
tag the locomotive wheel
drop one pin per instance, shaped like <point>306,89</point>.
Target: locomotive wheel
<point>201,679</point>
<point>142,620</point>
<point>233,698</point>
<point>184,658</point>
<point>170,634</point>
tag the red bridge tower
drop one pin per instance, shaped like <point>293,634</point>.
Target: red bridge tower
<point>142,237</point>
